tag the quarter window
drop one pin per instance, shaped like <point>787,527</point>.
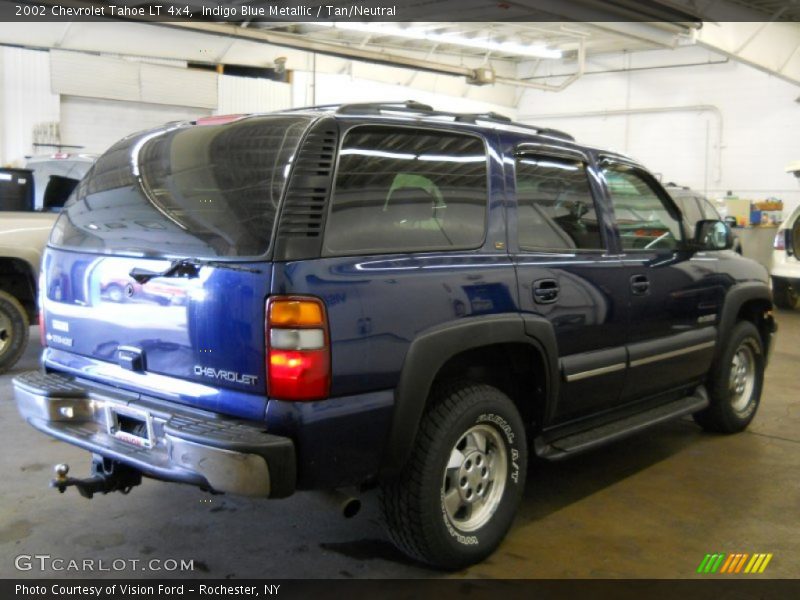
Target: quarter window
<point>555,208</point>
<point>642,218</point>
<point>405,190</point>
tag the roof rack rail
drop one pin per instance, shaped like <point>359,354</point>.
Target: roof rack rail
<point>418,108</point>
<point>377,107</point>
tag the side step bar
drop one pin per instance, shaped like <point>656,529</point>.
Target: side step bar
<point>575,443</point>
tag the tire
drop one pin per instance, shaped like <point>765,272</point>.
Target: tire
<point>13,331</point>
<point>784,293</point>
<point>736,382</point>
<point>454,533</point>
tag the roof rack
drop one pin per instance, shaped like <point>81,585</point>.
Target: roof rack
<point>418,108</point>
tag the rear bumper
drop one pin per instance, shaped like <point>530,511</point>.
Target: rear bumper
<point>174,443</point>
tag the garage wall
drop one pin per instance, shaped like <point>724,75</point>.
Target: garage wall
<point>239,95</point>
<point>332,88</point>
<point>25,101</point>
<point>95,124</point>
<point>734,137</point>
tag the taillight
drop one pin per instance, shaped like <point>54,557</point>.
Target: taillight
<point>40,306</point>
<point>780,240</point>
<point>42,332</point>
<point>298,348</point>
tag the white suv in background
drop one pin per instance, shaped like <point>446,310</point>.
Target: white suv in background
<point>785,269</point>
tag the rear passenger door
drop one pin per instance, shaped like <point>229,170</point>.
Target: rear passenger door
<point>675,295</point>
<point>557,240</point>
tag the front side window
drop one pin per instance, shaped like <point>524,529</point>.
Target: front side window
<point>406,190</point>
<point>642,217</point>
<point>555,208</point>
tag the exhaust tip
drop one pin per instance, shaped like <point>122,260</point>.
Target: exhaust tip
<point>351,508</point>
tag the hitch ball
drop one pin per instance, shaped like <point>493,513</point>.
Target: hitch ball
<point>61,471</point>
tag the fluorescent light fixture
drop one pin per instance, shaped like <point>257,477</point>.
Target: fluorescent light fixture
<point>415,33</point>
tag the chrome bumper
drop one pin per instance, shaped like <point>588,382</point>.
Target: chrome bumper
<point>172,443</point>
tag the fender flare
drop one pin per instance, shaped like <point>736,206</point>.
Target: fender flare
<point>736,297</point>
<point>431,349</point>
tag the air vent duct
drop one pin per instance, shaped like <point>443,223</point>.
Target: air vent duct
<point>302,218</point>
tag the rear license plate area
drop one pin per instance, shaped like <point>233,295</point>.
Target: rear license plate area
<point>129,425</point>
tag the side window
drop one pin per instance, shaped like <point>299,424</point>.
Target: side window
<point>642,218</point>
<point>406,190</point>
<point>555,208</point>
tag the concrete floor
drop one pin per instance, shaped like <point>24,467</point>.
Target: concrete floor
<point>650,506</point>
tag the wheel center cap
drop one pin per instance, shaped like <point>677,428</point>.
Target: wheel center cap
<point>473,477</point>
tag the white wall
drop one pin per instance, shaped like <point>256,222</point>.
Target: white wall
<point>755,116</point>
<point>359,83</point>
<point>25,101</point>
<point>95,124</point>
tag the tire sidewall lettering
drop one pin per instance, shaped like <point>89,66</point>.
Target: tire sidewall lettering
<point>502,425</point>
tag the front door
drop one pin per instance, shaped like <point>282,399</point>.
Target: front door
<point>566,275</point>
<point>675,295</point>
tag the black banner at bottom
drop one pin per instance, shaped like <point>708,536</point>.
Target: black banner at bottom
<point>350,589</point>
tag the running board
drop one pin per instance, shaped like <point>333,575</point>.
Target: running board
<point>585,440</point>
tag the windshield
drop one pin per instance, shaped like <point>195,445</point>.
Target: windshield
<point>200,191</point>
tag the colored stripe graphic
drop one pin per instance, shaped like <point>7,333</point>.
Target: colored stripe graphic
<point>738,562</point>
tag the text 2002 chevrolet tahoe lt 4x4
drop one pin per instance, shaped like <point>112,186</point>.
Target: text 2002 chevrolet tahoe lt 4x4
<point>382,295</point>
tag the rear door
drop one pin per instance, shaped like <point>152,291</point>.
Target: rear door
<point>675,296</point>
<point>565,274</point>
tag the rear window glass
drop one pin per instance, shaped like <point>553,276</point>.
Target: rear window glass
<point>201,191</point>
<point>406,190</point>
<point>555,207</point>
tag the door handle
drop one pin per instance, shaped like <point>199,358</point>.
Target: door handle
<point>545,291</point>
<point>640,285</point>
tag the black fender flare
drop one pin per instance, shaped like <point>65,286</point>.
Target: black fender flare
<point>432,348</point>
<point>736,297</point>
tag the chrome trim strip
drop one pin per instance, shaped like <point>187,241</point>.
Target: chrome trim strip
<point>592,373</point>
<point>665,355</point>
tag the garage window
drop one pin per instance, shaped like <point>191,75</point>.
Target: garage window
<point>405,190</point>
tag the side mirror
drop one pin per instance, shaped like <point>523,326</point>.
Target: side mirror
<point>731,222</point>
<point>711,234</point>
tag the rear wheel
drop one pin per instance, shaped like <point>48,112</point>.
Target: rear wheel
<point>736,383</point>
<point>13,331</point>
<point>457,495</point>
<point>784,293</point>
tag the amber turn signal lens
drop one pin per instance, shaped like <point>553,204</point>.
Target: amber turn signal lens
<point>295,313</point>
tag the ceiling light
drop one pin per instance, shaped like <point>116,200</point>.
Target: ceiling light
<point>415,33</point>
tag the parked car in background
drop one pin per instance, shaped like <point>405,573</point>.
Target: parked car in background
<point>57,175</point>
<point>23,236</point>
<point>785,270</point>
<point>30,200</point>
<point>696,207</point>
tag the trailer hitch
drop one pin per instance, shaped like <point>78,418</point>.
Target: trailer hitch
<point>106,476</point>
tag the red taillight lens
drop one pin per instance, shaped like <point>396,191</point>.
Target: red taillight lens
<point>298,352</point>
<point>780,240</point>
<point>42,332</point>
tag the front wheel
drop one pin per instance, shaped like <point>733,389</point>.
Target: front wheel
<point>458,493</point>
<point>735,383</point>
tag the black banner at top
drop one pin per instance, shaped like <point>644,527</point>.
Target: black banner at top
<point>247,11</point>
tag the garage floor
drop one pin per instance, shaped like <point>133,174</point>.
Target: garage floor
<point>649,506</point>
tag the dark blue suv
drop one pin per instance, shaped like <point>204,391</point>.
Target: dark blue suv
<point>382,295</point>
